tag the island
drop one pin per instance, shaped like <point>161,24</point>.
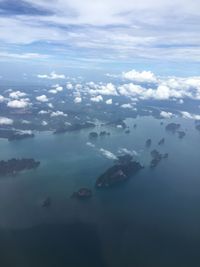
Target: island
<point>181,134</point>
<point>104,133</point>
<point>124,168</point>
<point>46,202</point>
<point>157,157</point>
<point>82,193</point>
<point>173,127</point>
<point>161,142</point>
<point>118,123</point>
<point>20,136</point>
<point>127,131</point>
<point>13,166</point>
<point>148,143</point>
<point>93,135</point>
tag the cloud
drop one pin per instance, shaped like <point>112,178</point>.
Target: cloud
<point>126,151</point>
<point>187,115</point>
<point>58,113</point>
<point>90,144</point>
<point>109,101</point>
<point>98,98</point>
<point>42,98</point>
<point>107,89</point>
<point>17,94</point>
<point>126,106</point>
<point>52,76</point>
<point>5,121</point>
<point>2,98</point>
<point>108,154</point>
<point>22,103</point>
<point>23,56</point>
<point>140,77</point>
<point>69,86</point>
<point>166,115</point>
<point>43,112</point>
<point>77,100</point>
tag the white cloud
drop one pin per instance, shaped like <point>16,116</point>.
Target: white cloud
<point>126,106</point>
<point>58,113</point>
<point>77,100</point>
<point>98,98</point>
<point>90,144</point>
<point>187,115</point>
<point>126,151</point>
<point>44,123</point>
<point>52,76</point>
<point>5,121</point>
<point>43,112</point>
<point>42,98</point>
<point>108,89</point>
<point>69,86</point>
<point>22,103</point>
<point>140,77</point>
<point>17,94</point>
<point>108,154</point>
<point>166,115</point>
<point>2,98</point>
<point>109,101</point>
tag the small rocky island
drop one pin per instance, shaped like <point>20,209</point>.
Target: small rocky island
<point>82,193</point>
<point>93,135</point>
<point>148,142</point>
<point>181,134</point>
<point>124,168</point>
<point>104,133</point>
<point>20,136</point>
<point>157,157</point>
<point>13,166</point>
<point>173,127</point>
<point>161,142</point>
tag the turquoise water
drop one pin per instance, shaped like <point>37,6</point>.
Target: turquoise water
<point>152,220</point>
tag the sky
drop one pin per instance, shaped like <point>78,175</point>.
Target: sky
<point>92,38</point>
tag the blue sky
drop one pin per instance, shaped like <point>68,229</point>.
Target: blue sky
<point>96,37</point>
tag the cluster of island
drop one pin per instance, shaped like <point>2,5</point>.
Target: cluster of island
<point>122,170</point>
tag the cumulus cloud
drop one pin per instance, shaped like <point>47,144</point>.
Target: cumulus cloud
<point>2,98</point>
<point>98,98</point>
<point>90,144</point>
<point>108,154</point>
<point>17,94</point>
<point>42,98</point>
<point>140,77</point>
<point>22,103</point>
<point>127,151</point>
<point>52,76</point>
<point>69,86</point>
<point>107,89</point>
<point>77,100</point>
<point>166,115</point>
<point>109,101</point>
<point>58,113</point>
<point>187,115</point>
<point>5,121</point>
<point>126,106</point>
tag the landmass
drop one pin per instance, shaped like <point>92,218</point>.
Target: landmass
<point>82,193</point>
<point>148,142</point>
<point>161,142</point>
<point>124,168</point>
<point>13,166</point>
<point>157,157</point>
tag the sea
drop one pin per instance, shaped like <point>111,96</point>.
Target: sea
<point>152,220</point>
